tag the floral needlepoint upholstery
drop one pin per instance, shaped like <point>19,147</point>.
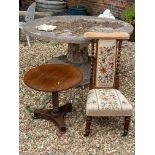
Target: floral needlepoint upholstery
<point>107,102</point>
<point>104,98</point>
<point>106,63</point>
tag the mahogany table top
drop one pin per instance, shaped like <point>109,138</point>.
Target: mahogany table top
<point>53,77</point>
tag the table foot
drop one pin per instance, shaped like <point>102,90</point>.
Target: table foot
<point>56,117</point>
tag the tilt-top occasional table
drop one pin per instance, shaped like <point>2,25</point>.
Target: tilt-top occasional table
<point>53,78</point>
<point>70,29</point>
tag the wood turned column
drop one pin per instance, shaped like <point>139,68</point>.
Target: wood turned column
<point>55,102</point>
<point>77,53</point>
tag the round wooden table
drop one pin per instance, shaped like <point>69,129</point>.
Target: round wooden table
<point>53,78</point>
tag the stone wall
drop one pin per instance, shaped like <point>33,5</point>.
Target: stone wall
<point>95,7</point>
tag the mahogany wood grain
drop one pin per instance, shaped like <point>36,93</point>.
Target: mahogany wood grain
<point>126,125</point>
<point>53,77</point>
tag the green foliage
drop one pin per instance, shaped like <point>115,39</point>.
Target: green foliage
<point>128,14</point>
<point>28,109</point>
<point>46,100</point>
<point>56,44</point>
<point>30,94</point>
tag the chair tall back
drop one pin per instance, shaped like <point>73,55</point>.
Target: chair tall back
<point>30,12</point>
<point>105,58</point>
<point>105,69</point>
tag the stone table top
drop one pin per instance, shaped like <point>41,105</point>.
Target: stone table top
<point>70,29</point>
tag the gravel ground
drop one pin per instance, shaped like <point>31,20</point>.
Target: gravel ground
<point>40,137</point>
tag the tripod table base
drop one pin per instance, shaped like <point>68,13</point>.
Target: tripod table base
<point>56,117</point>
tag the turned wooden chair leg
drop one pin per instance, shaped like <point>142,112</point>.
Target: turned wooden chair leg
<point>126,125</point>
<point>88,124</point>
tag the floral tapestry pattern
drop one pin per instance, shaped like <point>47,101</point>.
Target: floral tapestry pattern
<point>107,99</point>
<point>105,69</point>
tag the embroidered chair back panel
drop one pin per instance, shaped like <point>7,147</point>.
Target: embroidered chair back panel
<point>105,68</point>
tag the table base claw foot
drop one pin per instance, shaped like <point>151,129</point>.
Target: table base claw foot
<point>56,117</point>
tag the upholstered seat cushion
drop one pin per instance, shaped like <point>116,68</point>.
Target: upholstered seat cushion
<point>107,102</point>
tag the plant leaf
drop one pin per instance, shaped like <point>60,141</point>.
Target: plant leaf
<point>28,109</point>
<point>30,94</point>
<point>46,100</point>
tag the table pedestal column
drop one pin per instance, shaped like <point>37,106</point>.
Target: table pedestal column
<point>77,56</point>
<point>77,53</point>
